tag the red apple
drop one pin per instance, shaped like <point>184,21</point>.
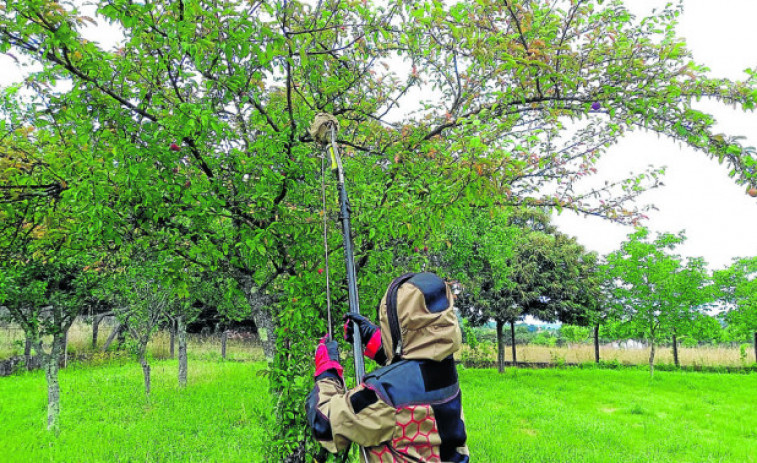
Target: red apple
<point>174,147</point>
<point>753,192</point>
<point>425,248</point>
<point>415,249</point>
<point>320,270</point>
<point>188,184</point>
<point>175,170</point>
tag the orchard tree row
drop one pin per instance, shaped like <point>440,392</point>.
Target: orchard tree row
<point>182,155</point>
<point>517,264</point>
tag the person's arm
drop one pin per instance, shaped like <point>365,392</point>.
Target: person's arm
<point>338,417</point>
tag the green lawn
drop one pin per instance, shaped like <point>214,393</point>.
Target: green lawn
<point>105,416</point>
<point>610,416</point>
<point>568,415</point>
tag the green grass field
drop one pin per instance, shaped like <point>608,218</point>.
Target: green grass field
<point>571,415</point>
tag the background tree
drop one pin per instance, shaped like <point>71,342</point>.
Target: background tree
<point>477,252</point>
<point>141,299</point>
<point>652,292</point>
<point>542,273</point>
<point>44,299</point>
<point>690,292</point>
<point>47,276</point>
<point>737,287</point>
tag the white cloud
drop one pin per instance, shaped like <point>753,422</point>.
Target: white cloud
<point>720,220</point>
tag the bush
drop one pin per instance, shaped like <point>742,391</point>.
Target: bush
<point>545,338</point>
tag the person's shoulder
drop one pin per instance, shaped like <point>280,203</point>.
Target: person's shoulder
<point>414,382</point>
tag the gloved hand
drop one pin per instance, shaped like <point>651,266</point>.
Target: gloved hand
<point>327,358</point>
<point>370,335</point>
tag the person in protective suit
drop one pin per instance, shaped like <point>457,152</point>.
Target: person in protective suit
<point>409,410</point>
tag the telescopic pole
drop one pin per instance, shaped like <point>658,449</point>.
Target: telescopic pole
<point>349,257</point>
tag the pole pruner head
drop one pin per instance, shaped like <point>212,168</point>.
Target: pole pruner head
<point>320,129</point>
<point>323,130</point>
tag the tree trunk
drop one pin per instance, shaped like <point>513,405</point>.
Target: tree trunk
<point>755,347</point>
<point>651,358</point>
<point>512,335</point>
<point>52,365</point>
<point>182,332</point>
<point>95,330</point>
<point>224,337</point>
<point>145,370</point>
<point>675,351</point>
<point>28,353</point>
<point>96,327</point>
<point>65,349</point>
<point>260,305</point>
<point>172,333</point>
<point>596,343</point>
<point>500,347</point>
<point>122,336</point>
<point>112,336</point>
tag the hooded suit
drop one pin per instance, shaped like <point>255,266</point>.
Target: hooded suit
<point>409,410</point>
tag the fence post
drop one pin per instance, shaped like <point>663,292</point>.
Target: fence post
<point>596,343</point>
<point>172,334</point>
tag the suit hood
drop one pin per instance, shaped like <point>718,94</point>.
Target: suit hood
<point>426,323</point>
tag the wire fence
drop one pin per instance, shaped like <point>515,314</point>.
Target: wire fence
<point>237,345</point>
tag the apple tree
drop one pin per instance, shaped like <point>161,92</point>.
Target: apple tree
<point>197,120</point>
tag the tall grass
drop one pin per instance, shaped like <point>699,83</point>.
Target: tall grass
<point>80,342</point>
<point>584,353</point>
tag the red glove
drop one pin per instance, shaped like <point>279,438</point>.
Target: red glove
<point>327,358</point>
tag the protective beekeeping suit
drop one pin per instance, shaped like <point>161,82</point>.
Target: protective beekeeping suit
<point>409,410</point>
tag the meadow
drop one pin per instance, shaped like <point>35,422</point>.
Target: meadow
<point>209,346</point>
<point>554,415</point>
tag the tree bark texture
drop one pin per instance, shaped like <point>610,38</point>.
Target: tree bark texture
<point>651,358</point>
<point>755,346</point>
<point>596,343</point>
<point>28,353</point>
<point>145,372</point>
<point>65,349</point>
<point>512,335</point>
<point>260,305</point>
<point>96,329</point>
<point>52,365</point>
<point>500,347</point>
<point>224,337</point>
<point>112,336</point>
<point>181,329</point>
<point>675,351</point>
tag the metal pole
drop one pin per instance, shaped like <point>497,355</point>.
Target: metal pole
<point>349,257</point>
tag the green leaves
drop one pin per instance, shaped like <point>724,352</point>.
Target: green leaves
<point>514,264</point>
<point>651,290</point>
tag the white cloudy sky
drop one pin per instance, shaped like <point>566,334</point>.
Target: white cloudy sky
<point>718,217</point>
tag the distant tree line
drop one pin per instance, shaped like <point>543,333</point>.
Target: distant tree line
<point>517,264</point>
